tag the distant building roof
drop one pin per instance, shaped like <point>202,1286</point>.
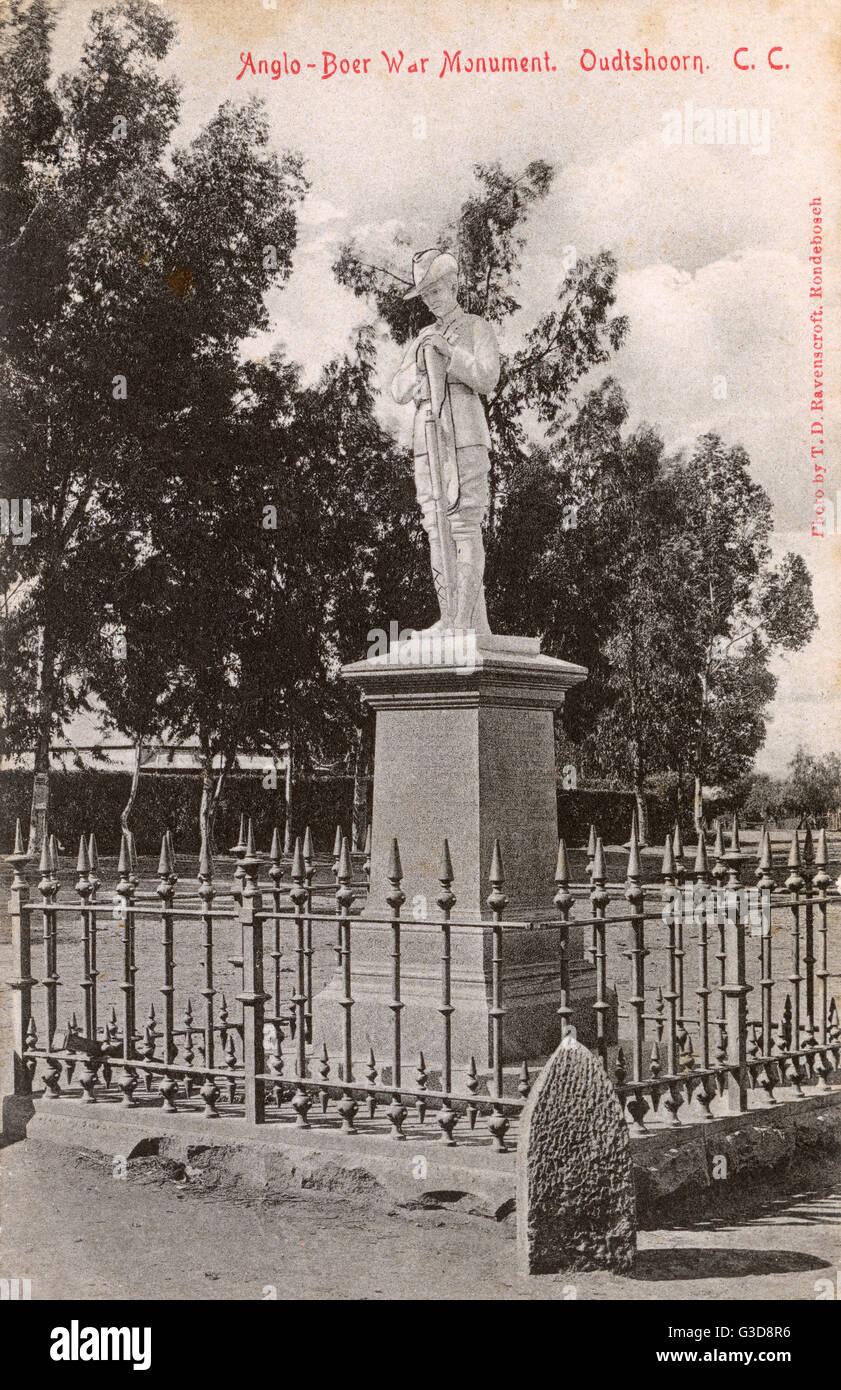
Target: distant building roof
<point>87,743</point>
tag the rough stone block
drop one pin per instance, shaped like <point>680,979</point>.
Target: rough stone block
<point>576,1207</point>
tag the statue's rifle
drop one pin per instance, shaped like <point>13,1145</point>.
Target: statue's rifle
<point>437,389</point>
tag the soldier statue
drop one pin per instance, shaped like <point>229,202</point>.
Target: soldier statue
<point>444,371</point>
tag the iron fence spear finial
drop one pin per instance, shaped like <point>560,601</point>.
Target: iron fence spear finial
<point>667,869</point>
<point>634,867</point>
<point>599,869</point>
<point>765,861</point>
<point>394,873</point>
<point>82,861</point>
<point>165,860</point>
<point>591,850</point>
<point>701,865</point>
<point>445,870</point>
<point>562,864</point>
<point>124,861</point>
<point>344,873</point>
<point>298,870</point>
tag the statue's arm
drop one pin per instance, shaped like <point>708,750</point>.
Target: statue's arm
<point>403,381</point>
<point>476,364</point>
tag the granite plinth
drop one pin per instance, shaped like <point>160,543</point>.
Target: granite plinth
<point>464,751</point>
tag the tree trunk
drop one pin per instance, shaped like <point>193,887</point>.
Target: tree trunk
<point>698,807</point>
<point>642,804</point>
<point>288,792</point>
<point>125,814</point>
<point>207,809</point>
<point>361,775</point>
<point>40,808</point>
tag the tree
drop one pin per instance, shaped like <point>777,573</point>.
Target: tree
<point>134,271</point>
<point>813,786</point>
<point>129,671</point>
<point>744,608</point>
<point>654,572</point>
<point>758,797</point>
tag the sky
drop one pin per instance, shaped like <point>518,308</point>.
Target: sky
<point>711,240</point>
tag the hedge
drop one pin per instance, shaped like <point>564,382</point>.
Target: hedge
<point>92,800</point>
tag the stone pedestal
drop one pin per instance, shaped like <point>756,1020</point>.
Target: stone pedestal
<point>464,751</point>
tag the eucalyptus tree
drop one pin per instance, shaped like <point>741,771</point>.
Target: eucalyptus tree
<point>134,268</point>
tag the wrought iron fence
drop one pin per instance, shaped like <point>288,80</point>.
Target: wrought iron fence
<point>675,1036</point>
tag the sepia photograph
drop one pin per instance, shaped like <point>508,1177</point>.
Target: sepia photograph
<point>420,696</point>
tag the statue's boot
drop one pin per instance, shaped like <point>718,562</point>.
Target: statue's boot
<point>470,600</point>
<point>445,607</point>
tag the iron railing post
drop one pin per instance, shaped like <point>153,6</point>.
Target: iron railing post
<point>637,1105</point>
<point>499,1122</point>
<point>821,883</point>
<point>252,997</point>
<point>765,888</point>
<point>563,901</point>
<point>95,883</point>
<point>446,898</point>
<point>599,897</point>
<point>808,870</point>
<point>735,987</point>
<point>397,1111</point>
<point>301,1101</point>
<point>23,981</point>
<point>124,895</point>
<point>348,1106</point>
<point>309,872</point>
<point>672,912</point>
<point>795,883</point>
<point>703,916</point>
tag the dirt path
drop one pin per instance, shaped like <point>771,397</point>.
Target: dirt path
<point>79,1233</point>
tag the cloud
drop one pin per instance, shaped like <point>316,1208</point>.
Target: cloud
<point>317,211</point>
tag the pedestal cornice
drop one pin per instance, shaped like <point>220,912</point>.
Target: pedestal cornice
<point>509,672</point>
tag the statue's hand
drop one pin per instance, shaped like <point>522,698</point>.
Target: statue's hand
<point>432,338</point>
